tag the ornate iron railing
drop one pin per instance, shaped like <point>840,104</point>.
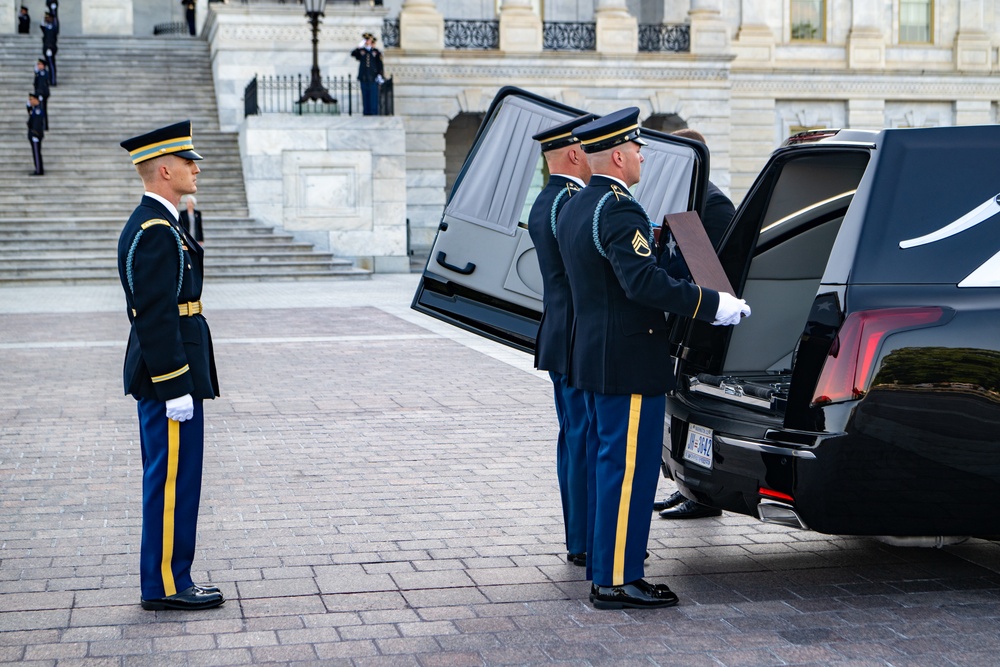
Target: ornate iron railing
<point>569,36</point>
<point>175,28</point>
<point>281,94</point>
<point>462,34</point>
<point>390,33</point>
<point>659,37</point>
<point>368,3</point>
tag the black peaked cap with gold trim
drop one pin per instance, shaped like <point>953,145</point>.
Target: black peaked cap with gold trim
<point>561,135</point>
<point>610,131</point>
<point>173,139</point>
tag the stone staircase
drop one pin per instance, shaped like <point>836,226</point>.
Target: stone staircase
<point>63,227</point>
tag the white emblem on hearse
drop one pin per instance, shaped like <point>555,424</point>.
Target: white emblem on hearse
<point>988,273</point>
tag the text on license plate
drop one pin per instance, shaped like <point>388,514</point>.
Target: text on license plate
<point>698,448</point>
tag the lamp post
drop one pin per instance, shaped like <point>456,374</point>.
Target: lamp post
<point>315,91</point>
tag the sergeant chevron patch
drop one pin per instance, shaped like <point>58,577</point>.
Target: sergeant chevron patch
<point>640,244</point>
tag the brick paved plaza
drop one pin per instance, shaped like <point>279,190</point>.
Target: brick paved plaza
<point>380,490</point>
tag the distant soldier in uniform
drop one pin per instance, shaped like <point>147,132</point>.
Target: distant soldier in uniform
<point>370,73</point>
<point>42,88</point>
<point>24,22</point>
<point>169,365</point>
<point>50,44</point>
<point>36,132</point>
<point>189,14</point>
<point>620,356</point>
<point>569,171</point>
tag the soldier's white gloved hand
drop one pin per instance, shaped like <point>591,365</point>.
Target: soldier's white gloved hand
<point>180,409</point>
<point>362,43</point>
<point>379,80</point>
<point>731,310</point>
<point>48,52</point>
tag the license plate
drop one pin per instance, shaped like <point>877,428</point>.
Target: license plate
<point>698,449</point>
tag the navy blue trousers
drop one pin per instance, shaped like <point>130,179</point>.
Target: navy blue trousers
<point>624,445</point>
<point>172,454</point>
<point>36,155</point>
<point>571,461</point>
<point>369,97</point>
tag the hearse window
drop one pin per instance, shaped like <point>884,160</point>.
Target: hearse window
<point>492,190</point>
<point>665,183</point>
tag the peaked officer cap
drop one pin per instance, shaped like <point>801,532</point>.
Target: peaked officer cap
<point>370,36</point>
<point>610,131</point>
<point>171,140</point>
<point>561,135</point>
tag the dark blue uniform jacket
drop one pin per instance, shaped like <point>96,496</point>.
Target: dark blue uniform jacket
<point>620,293</point>
<point>168,355</point>
<point>369,63</point>
<point>552,342</point>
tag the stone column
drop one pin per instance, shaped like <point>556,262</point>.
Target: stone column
<point>973,112</point>
<point>866,43</point>
<point>106,17</point>
<point>9,9</point>
<point>754,44</point>
<point>421,26</point>
<point>709,33</point>
<point>972,43</point>
<point>520,27</point>
<point>617,30</point>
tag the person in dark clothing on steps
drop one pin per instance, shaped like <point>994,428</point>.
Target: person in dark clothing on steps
<point>24,22</point>
<point>50,46</point>
<point>36,132</point>
<point>42,89</point>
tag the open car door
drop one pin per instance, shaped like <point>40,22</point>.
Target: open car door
<point>482,272</point>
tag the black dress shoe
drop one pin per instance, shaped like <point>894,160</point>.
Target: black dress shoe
<point>689,509</point>
<point>189,599</point>
<point>577,559</point>
<point>639,594</point>
<point>672,500</point>
<point>208,588</point>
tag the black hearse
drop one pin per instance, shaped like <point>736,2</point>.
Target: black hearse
<point>862,397</point>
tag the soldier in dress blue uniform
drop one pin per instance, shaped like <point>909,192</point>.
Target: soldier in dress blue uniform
<point>50,44</point>
<point>23,21</point>
<point>169,365</point>
<point>36,132</point>
<point>370,71</point>
<point>619,356</point>
<point>42,90</point>
<point>569,171</point>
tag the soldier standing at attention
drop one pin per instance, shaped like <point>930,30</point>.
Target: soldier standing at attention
<point>36,132</point>
<point>189,6</point>
<point>42,88</point>
<point>23,22</point>
<point>50,44</point>
<point>569,171</point>
<point>620,356</point>
<point>169,365</point>
<point>370,73</point>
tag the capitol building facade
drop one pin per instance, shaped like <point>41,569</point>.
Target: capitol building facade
<point>744,73</point>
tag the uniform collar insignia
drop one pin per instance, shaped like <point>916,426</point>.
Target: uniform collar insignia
<point>571,187</point>
<point>619,193</point>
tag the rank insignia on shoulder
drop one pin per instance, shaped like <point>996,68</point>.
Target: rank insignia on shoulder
<point>640,244</point>
<point>619,193</point>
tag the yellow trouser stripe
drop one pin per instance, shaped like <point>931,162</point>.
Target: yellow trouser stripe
<point>635,408</point>
<point>169,503</point>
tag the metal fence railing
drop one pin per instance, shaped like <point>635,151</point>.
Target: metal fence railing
<point>464,34</point>
<point>569,36</point>
<point>173,28</point>
<point>359,3</point>
<point>281,94</point>
<point>660,37</point>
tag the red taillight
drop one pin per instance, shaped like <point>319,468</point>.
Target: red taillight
<point>848,367</point>
<point>771,493</point>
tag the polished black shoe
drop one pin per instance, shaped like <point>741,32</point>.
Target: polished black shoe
<point>189,599</point>
<point>689,509</point>
<point>208,588</point>
<point>672,500</point>
<point>577,559</point>
<point>639,594</point>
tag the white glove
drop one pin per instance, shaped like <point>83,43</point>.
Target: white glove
<point>379,80</point>
<point>731,310</point>
<point>48,52</point>
<point>180,409</point>
<point>362,43</point>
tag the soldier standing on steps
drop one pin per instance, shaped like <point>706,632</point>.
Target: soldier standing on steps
<point>42,89</point>
<point>189,15</point>
<point>24,22</point>
<point>370,72</point>
<point>169,366</point>
<point>50,46</point>
<point>36,132</point>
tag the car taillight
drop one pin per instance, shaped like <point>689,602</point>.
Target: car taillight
<point>848,366</point>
